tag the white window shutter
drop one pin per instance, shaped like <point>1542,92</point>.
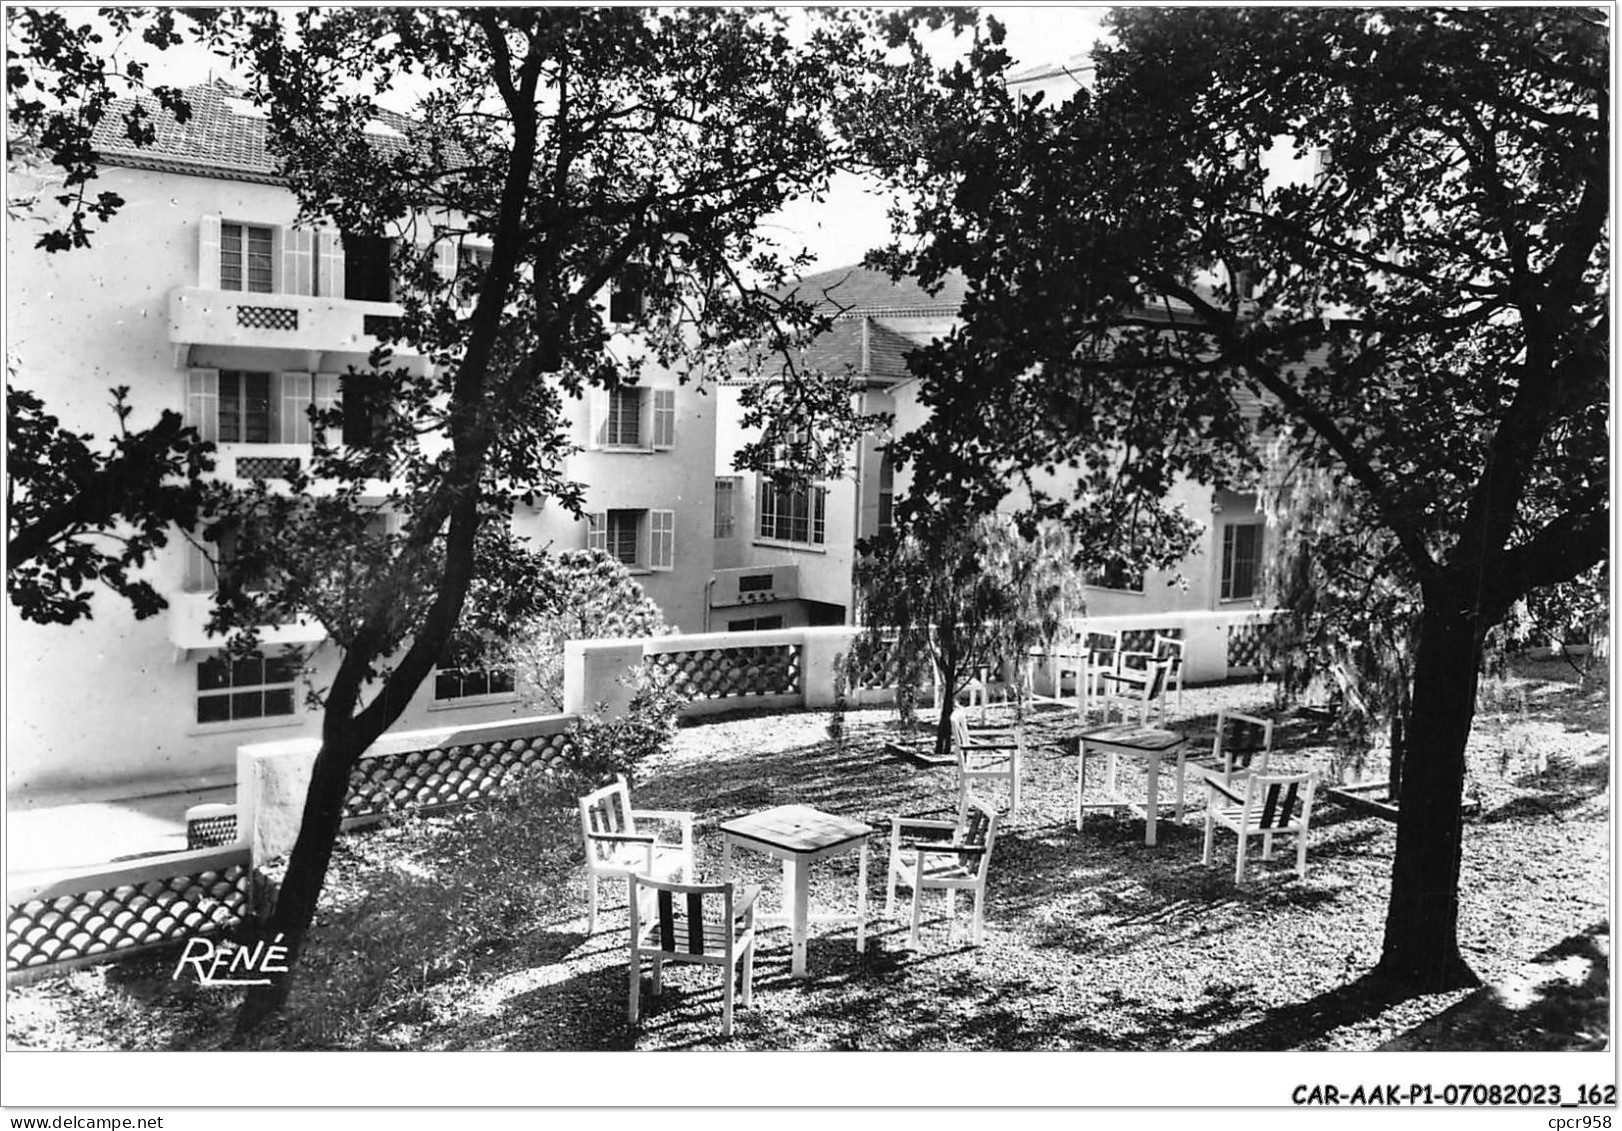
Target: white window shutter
<point>664,418</point>
<point>445,259</point>
<point>596,417</point>
<point>298,261</point>
<point>203,402</point>
<point>329,256</point>
<point>296,397</point>
<point>597,530</point>
<point>199,573</point>
<point>662,550</point>
<point>208,253</point>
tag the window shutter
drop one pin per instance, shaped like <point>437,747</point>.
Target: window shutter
<point>662,551</point>
<point>329,268</point>
<point>199,572</point>
<point>445,260</point>
<point>596,417</point>
<point>203,402</point>
<point>295,408</point>
<point>597,531</point>
<point>664,418</point>
<point>208,253</point>
<point>298,261</point>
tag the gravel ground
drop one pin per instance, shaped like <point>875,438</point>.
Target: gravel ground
<point>1093,940</point>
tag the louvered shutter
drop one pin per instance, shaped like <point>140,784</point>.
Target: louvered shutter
<point>596,417</point>
<point>324,394</point>
<point>664,418</point>
<point>329,256</point>
<point>298,261</point>
<point>208,253</point>
<point>296,397</point>
<point>203,402</point>
<point>445,259</point>
<point>199,571</point>
<point>597,531</point>
<point>662,539</point>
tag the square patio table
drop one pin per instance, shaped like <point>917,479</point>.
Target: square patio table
<point>1150,744</point>
<point>799,835</point>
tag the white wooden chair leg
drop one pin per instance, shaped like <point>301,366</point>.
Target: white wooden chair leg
<point>917,914</point>
<point>658,976</point>
<point>1239,860</point>
<point>1267,846</point>
<point>1210,835</point>
<point>726,1002</point>
<point>979,916</point>
<point>634,1009</point>
<point>591,905</point>
<point>1301,856</point>
<point>749,974</point>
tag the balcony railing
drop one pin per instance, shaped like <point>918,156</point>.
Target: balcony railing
<point>199,316</point>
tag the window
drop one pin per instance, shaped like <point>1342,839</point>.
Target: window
<point>754,624</point>
<point>726,494</point>
<point>1241,558</point>
<point>793,514</point>
<point>246,255</point>
<point>622,535</point>
<point>624,428</point>
<point>1115,575</point>
<point>755,583</point>
<point>368,268</point>
<point>365,405</point>
<point>633,419</point>
<point>625,301</point>
<point>244,408</point>
<point>256,687</point>
<point>465,683</point>
<point>642,539</point>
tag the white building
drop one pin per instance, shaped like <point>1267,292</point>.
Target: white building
<point>203,296</point>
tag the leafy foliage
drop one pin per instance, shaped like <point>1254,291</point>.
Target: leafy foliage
<point>606,744</point>
<point>578,146</point>
<point>1424,315</point>
<point>62,81</point>
<point>77,516</point>
<point>981,599</point>
<point>594,596</point>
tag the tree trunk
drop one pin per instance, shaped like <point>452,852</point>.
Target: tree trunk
<point>946,693</point>
<point>1422,921</point>
<point>306,871</point>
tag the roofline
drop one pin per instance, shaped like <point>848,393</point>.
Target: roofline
<point>191,168</point>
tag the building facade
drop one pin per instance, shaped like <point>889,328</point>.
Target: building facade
<point>206,295</point>
<point>878,322</point>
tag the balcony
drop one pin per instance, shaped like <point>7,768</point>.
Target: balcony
<point>187,624</point>
<point>199,316</point>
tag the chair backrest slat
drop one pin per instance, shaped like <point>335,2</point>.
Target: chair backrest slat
<point>1270,804</point>
<point>1288,812</point>
<point>667,921</point>
<point>695,922</point>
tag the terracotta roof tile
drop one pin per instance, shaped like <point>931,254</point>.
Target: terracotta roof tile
<point>223,134</point>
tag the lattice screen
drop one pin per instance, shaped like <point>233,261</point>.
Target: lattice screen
<point>1245,644</point>
<point>133,916</point>
<point>720,673</point>
<point>268,317</point>
<point>428,778</point>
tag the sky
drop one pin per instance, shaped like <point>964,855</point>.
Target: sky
<point>852,219</point>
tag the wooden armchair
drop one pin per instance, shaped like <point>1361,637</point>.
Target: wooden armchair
<point>943,855</point>
<point>1270,805</point>
<point>622,842</point>
<point>710,924</point>
<point>987,754</point>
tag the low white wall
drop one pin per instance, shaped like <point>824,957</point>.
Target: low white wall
<point>273,778</point>
<point>598,671</point>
